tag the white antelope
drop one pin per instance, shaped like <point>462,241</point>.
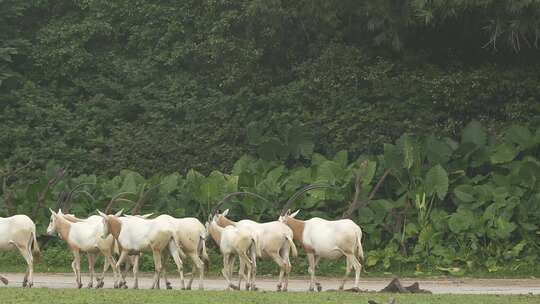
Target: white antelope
<point>275,240</point>
<point>191,234</point>
<point>84,235</point>
<point>328,239</point>
<point>234,241</point>
<point>135,235</point>
<point>19,232</point>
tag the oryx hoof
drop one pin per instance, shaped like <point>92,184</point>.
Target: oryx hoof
<point>278,287</point>
<point>189,287</point>
<point>4,280</point>
<point>79,285</point>
<point>234,287</point>
<point>124,286</point>
<point>168,286</point>
<point>319,287</point>
<point>100,284</point>
<point>90,285</point>
<point>254,288</point>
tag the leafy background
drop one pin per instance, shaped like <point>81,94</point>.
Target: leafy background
<point>200,98</point>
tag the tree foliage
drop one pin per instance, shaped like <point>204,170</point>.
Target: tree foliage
<point>469,210</point>
<point>163,87</point>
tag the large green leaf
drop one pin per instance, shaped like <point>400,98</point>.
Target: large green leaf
<point>436,182</point>
<point>464,193</point>
<point>367,173</point>
<point>504,153</point>
<point>521,136</point>
<point>437,151</point>
<point>474,133</point>
<point>169,183</point>
<point>342,158</point>
<point>461,221</point>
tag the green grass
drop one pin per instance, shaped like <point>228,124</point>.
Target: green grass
<point>59,296</point>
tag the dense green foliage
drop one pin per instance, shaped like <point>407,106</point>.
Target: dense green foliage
<point>454,205</point>
<point>161,86</point>
<point>167,96</point>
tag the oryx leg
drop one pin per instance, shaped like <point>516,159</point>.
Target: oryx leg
<point>91,264</point>
<point>357,269</point>
<point>285,257</point>
<point>246,262</point>
<point>158,266</point>
<point>168,284</point>
<point>100,280</point>
<point>282,264</point>
<point>313,260</point>
<point>76,266</point>
<point>122,259</point>
<point>199,265</point>
<point>241,274</point>
<point>136,271</point>
<point>175,253</point>
<point>253,269</point>
<point>226,271</point>
<point>26,253</point>
<point>347,271</point>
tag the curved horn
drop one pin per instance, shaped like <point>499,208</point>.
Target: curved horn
<point>62,197</point>
<point>114,199</point>
<point>67,201</point>
<point>230,195</point>
<point>142,199</point>
<point>298,193</point>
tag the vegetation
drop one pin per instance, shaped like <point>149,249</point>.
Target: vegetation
<point>447,205</point>
<point>160,87</point>
<point>162,106</point>
<point>41,295</point>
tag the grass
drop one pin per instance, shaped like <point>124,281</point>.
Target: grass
<point>59,296</point>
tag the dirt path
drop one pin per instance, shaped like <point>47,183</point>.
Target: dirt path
<point>454,285</point>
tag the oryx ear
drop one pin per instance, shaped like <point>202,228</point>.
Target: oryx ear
<point>52,211</point>
<point>101,213</point>
<point>295,213</point>
<point>59,211</point>
<point>145,216</point>
<point>119,213</point>
<point>225,212</point>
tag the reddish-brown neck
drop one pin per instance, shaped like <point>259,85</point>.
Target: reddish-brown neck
<point>297,226</point>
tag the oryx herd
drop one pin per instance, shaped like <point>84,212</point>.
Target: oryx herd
<point>130,235</point>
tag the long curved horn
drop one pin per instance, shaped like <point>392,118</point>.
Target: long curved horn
<point>230,195</point>
<point>66,204</point>
<point>142,199</point>
<point>62,197</point>
<point>298,193</point>
<point>114,199</point>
